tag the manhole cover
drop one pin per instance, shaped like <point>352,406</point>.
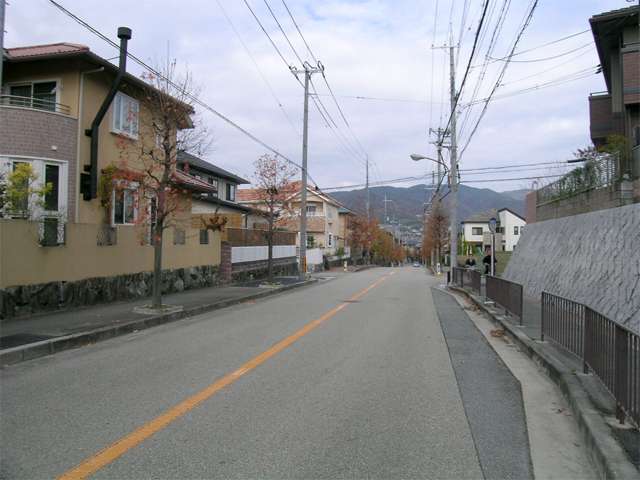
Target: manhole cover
<point>18,339</point>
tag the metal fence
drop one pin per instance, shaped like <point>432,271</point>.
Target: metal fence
<point>595,173</point>
<point>608,349</point>
<point>458,276</point>
<point>563,322</point>
<point>467,277</point>
<point>505,293</point>
<point>475,279</point>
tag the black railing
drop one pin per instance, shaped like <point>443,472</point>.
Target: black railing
<point>563,322</point>
<point>458,276</point>
<point>608,349</point>
<point>505,293</point>
<point>475,279</point>
<point>35,103</point>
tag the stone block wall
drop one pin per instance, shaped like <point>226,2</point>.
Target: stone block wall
<point>226,267</point>
<point>29,299</point>
<point>593,258</point>
<point>255,270</point>
<point>597,199</point>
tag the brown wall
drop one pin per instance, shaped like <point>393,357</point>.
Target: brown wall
<point>41,134</point>
<point>530,207</point>
<point>24,262</point>
<point>631,76</point>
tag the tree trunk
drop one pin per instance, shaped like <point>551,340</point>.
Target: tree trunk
<point>157,266</point>
<point>270,251</point>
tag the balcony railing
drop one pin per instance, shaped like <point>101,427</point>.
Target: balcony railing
<point>597,173</point>
<point>35,103</point>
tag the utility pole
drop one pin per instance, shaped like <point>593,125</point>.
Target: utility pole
<point>2,8</point>
<point>367,189</point>
<point>453,254</point>
<point>308,71</point>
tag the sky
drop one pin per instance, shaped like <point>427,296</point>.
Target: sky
<point>380,49</point>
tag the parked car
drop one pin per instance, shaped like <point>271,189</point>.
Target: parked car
<point>416,264</point>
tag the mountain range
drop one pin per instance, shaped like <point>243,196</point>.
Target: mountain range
<point>405,205</point>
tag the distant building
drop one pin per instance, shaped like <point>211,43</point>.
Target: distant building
<point>476,234</point>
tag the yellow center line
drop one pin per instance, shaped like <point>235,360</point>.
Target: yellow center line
<point>101,459</point>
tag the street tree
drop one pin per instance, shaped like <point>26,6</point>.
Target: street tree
<point>273,180</point>
<point>362,234</point>
<point>436,232</point>
<point>166,127</point>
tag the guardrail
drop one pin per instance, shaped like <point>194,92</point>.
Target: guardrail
<point>505,293</point>
<point>608,349</point>
<point>467,277</point>
<point>458,276</point>
<point>35,103</point>
<point>475,278</point>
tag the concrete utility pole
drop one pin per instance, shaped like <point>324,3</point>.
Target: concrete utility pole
<point>368,198</point>
<point>2,7</point>
<point>454,165</point>
<point>308,71</point>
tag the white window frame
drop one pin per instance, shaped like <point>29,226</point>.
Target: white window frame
<point>39,165</point>
<point>117,114</point>
<point>129,186</point>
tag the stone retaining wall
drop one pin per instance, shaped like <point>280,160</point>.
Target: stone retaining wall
<point>593,258</point>
<point>255,270</point>
<point>29,299</point>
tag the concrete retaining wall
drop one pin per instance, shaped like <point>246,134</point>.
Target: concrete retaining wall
<point>593,258</point>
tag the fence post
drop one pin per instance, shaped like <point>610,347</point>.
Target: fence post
<point>544,305</point>
<point>586,337</point>
<point>621,358</point>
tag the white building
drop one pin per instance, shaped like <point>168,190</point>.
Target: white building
<point>476,233</point>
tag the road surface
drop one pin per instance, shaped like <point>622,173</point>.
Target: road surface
<point>371,374</point>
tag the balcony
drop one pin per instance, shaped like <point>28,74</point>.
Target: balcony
<point>34,103</point>
<point>603,122</point>
<point>35,128</point>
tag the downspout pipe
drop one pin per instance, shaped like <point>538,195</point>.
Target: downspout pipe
<point>124,34</point>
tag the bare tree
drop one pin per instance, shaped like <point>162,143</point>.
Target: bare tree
<point>273,180</point>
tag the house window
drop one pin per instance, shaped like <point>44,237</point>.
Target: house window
<point>125,115</point>
<point>311,241</point>
<point>41,95</point>
<point>124,206</point>
<point>515,230</point>
<point>330,242</point>
<point>178,236</point>
<point>476,230</point>
<point>204,237</point>
<point>46,172</point>
<point>52,180</point>
<point>231,192</point>
<point>213,181</point>
<point>311,210</point>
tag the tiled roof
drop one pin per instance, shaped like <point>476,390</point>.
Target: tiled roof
<point>41,50</point>
<point>247,195</point>
<point>482,217</point>
<point>200,164</point>
<point>620,12</point>
<point>192,183</point>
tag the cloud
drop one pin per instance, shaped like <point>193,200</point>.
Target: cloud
<point>370,48</point>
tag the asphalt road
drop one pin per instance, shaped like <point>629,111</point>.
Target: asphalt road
<point>362,386</point>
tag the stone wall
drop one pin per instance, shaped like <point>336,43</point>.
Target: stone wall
<point>256,270</point>
<point>593,258</point>
<point>589,201</point>
<point>29,299</point>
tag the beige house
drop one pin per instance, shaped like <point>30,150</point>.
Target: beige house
<point>325,228</point>
<point>89,224</point>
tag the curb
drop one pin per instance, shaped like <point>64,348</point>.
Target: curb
<point>22,353</point>
<point>606,454</point>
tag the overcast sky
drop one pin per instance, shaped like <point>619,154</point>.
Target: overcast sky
<point>370,48</point>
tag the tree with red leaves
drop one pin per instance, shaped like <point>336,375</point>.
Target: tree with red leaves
<point>362,234</point>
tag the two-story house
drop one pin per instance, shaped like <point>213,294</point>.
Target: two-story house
<point>80,122</point>
<point>223,199</point>
<point>323,220</point>
<point>477,235</point>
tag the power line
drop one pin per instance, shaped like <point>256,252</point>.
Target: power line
<point>182,91</point>
<point>284,34</point>
<point>299,32</point>
<point>553,57</point>
<point>525,24</point>
<point>255,63</point>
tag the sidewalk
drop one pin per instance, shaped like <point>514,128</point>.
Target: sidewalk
<point>592,404</point>
<point>109,320</point>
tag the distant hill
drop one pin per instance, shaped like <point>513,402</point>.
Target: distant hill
<point>406,204</point>
<point>517,194</point>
